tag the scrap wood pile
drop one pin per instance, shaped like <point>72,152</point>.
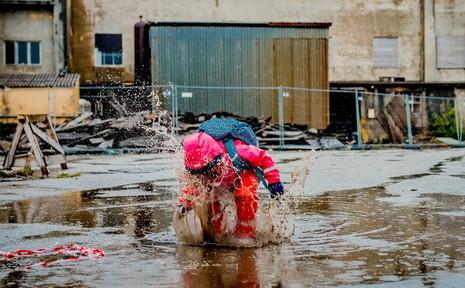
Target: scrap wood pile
<point>150,130</point>
<point>268,132</point>
<point>139,130</point>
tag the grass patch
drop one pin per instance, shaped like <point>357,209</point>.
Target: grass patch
<point>67,175</point>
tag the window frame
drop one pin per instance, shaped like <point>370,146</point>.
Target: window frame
<point>102,55</point>
<point>396,65</point>
<point>16,54</point>
<point>441,63</point>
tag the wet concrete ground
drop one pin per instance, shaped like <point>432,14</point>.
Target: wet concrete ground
<point>364,218</point>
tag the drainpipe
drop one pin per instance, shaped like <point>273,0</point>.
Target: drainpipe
<point>422,41</point>
<point>64,20</point>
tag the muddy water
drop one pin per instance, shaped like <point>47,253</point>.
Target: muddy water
<point>345,238</point>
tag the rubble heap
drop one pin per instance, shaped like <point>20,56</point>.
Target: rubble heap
<point>152,131</point>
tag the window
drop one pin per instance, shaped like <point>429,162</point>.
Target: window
<point>22,52</point>
<point>386,52</point>
<point>450,52</point>
<point>108,49</point>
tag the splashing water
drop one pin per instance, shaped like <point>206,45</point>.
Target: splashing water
<point>274,222</point>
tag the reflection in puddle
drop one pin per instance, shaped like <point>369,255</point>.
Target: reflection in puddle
<point>135,210</point>
<point>217,267</point>
<point>342,238</point>
<point>362,240</point>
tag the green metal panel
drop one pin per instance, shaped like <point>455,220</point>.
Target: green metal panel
<point>242,56</point>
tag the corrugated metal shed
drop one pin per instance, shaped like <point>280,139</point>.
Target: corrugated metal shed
<point>245,55</point>
<point>19,80</point>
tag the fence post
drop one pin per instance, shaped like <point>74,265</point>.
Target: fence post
<point>174,109</point>
<point>408,119</point>
<point>456,108</point>
<point>281,116</point>
<point>462,112</point>
<point>357,114</point>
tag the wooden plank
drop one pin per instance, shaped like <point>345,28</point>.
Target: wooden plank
<point>75,121</point>
<point>39,158</point>
<point>22,141</point>
<point>10,158</point>
<point>103,132</point>
<point>47,139</point>
<point>51,130</point>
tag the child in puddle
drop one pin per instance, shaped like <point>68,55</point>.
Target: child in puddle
<point>212,173</point>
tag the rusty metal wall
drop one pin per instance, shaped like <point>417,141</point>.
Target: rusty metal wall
<point>245,56</point>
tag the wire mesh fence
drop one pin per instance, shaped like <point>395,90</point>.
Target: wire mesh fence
<point>407,119</point>
<point>363,118</point>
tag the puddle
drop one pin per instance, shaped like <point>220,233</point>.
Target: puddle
<point>342,238</point>
<point>438,168</point>
<point>52,234</point>
<point>288,160</point>
<point>413,176</point>
<point>140,205</point>
<point>455,159</point>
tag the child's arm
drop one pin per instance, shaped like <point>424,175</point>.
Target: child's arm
<point>259,158</point>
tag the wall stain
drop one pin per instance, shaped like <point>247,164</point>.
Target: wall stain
<point>82,50</point>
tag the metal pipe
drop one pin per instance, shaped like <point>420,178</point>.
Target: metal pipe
<point>251,88</point>
<point>357,114</point>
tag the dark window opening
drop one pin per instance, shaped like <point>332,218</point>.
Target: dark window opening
<point>35,53</point>
<point>22,52</point>
<point>108,49</point>
<point>9,52</point>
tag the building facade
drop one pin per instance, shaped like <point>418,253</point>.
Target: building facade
<point>411,40</point>
<point>416,47</point>
<point>32,35</point>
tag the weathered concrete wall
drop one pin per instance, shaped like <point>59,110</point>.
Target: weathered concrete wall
<point>90,17</point>
<point>355,24</point>
<point>443,18</point>
<point>28,26</point>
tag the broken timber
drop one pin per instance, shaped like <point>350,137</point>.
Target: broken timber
<point>34,136</point>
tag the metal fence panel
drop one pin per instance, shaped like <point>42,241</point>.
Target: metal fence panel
<point>407,119</point>
<point>367,118</point>
<point>433,117</point>
<point>383,118</point>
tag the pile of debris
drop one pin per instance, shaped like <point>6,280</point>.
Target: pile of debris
<point>144,129</point>
<point>152,131</point>
<point>268,132</point>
